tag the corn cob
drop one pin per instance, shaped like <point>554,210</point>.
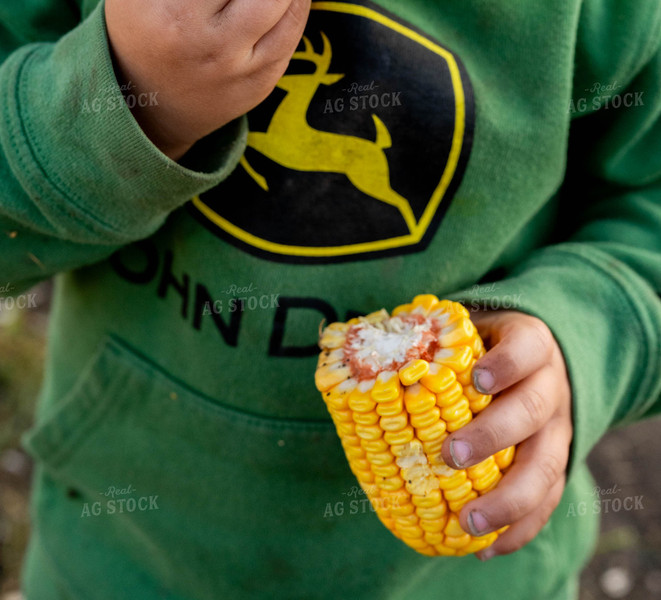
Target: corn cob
<point>396,386</point>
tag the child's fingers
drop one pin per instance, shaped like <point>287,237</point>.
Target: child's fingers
<point>522,345</point>
<point>539,465</point>
<point>287,32</point>
<point>525,530</point>
<point>513,417</point>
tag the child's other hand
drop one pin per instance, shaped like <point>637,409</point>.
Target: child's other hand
<point>533,410</point>
<point>208,61</point>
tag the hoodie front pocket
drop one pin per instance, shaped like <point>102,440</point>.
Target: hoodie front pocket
<point>201,498</point>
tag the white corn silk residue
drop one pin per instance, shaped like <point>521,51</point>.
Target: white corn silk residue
<point>387,345</point>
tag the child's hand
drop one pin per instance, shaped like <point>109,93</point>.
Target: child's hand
<point>533,410</point>
<point>209,61</point>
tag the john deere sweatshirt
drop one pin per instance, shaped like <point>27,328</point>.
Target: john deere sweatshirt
<point>506,154</point>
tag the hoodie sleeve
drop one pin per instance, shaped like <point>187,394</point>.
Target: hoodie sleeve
<point>78,177</point>
<point>598,287</point>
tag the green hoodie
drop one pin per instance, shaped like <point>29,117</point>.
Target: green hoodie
<point>182,450</point>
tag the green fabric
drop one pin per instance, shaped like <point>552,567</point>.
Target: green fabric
<point>211,421</point>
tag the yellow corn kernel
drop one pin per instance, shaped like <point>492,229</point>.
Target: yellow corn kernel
<point>333,337</point>
<point>456,505</point>
<point>390,484</point>
<point>465,378</point>
<point>454,411</point>
<point>369,432</point>
<point>433,449</point>
<point>461,491</point>
<point>478,402</point>
<point>482,468</point>
<point>341,416</point>
<point>387,387</point>
<point>460,421</point>
<point>433,513</point>
<point>418,544</point>
<point>399,437</point>
<point>504,458</point>
<point>439,378</point>
<point>418,399</point>
<point>453,528</point>
<point>361,464</point>
<point>350,440</point>
<point>426,419</point>
<point>361,401</point>
<point>486,482</point>
<point>478,347</point>
<point>329,376</point>
<point>457,542</point>
<point>402,309</point>
<point>396,423</point>
<point>428,302</point>
<point>433,498</point>
<point>402,511</point>
<point>458,334</point>
<point>346,428</point>
<point>412,531</point>
<point>443,550</point>
<point>413,371</point>
<point>379,445</point>
<point>330,357</point>
<point>354,452</point>
<point>396,499</point>
<point>337,398</point>
<point>480,543</point>
<point>458,358</point>
<point>450,396</point>
<point>453,481</point>
<point>433,432</point>
<point>385,470</point>
<point>364,476</point>
<point>392,408</point>
<point>380,458</point>
<point>367,418</point>
<point>435,525</point>
<point>433,538</point>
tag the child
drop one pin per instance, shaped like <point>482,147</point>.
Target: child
<point>181,448</point>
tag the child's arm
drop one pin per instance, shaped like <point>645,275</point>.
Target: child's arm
<point>598,292</point>
<point>78,176</point>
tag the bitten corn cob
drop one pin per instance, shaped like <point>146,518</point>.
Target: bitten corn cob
<point>395,385</point>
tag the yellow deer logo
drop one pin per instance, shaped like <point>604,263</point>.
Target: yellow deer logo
<point>292,143</point>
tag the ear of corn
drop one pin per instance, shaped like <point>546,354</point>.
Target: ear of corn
<point>396,386</point>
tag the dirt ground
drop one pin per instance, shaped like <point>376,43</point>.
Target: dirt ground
<point>626,465</point>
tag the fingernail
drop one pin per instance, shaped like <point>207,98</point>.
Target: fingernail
<point>478,523</point>
<point>487,554</point>
<point>483,380</point>
<point>461,452</point>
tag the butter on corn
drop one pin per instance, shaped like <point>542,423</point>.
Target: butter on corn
<point>395,386</point>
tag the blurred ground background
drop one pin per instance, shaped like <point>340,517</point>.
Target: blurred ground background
<point>626,463</point>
